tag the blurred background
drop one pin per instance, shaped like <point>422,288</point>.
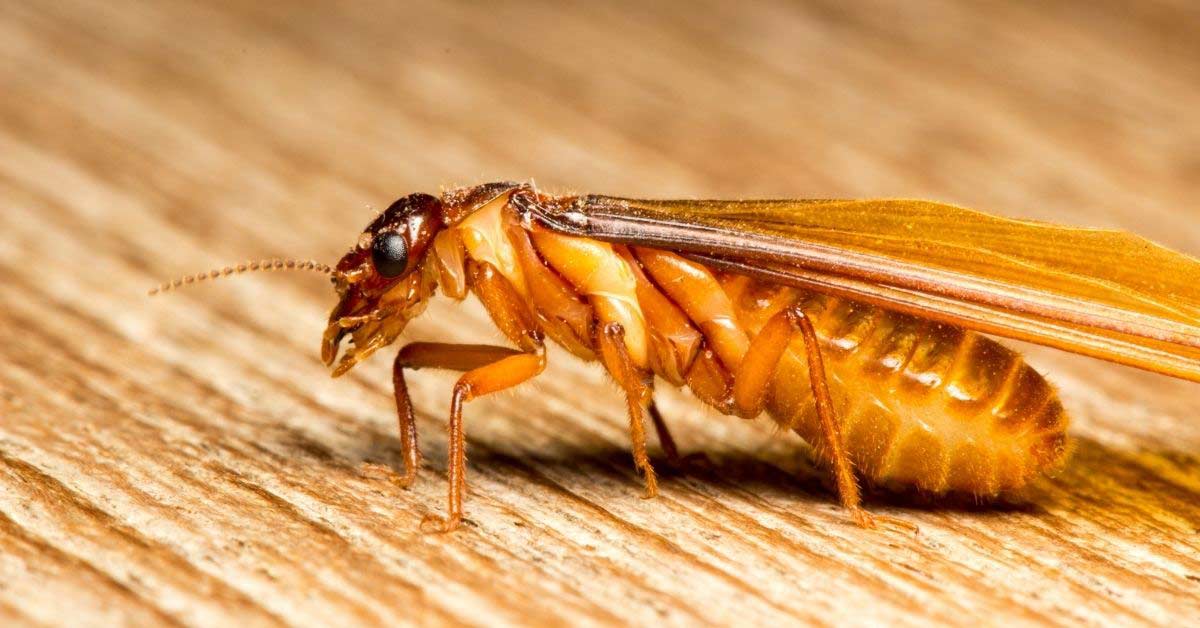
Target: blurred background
<point>143,140</point>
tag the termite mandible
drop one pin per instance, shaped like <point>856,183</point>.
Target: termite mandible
<point>856,324</point>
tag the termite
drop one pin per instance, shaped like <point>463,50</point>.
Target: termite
<point>856,324</point>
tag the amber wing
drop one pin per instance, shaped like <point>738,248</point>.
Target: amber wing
<point>1107,294</point>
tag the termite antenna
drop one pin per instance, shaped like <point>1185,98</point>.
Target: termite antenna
<point>244,267</point>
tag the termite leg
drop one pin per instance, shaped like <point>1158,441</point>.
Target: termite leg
<point>615,356</point>
<point>502,374</point>
<point>409,449</point>
<point>670,450</point>
<point>489,370</point>
<point>664,434</point>
<point>418,355</point>
<point>753,378</point>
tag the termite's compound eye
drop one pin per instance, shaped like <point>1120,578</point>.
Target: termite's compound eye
<point>389,252</point>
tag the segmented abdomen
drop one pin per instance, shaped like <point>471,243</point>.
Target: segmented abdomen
<point>920,404</point>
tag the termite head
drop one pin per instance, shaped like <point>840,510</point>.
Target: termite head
<point>384,281</point>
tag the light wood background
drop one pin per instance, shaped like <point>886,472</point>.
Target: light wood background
<point>186,460</point>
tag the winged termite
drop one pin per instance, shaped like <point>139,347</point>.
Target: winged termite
<point>852,323</point>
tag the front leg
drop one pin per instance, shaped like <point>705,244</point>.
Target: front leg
<point>501,372</point>
<point>485,380</point>
<point>410,451</point>
<point>419,355</point>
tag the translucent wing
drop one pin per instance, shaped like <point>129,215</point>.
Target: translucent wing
<point>1106,294</point>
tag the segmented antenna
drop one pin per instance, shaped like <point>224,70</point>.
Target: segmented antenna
<point>244,267</point>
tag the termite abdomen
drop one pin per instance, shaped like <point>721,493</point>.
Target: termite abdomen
<point>920,404</point>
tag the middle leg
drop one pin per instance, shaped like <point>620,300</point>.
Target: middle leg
<point>670,449</point>
<point>615,356</point>
<point>664,434</point>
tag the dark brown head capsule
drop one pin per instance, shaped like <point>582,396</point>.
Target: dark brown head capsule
<point>384,280</point>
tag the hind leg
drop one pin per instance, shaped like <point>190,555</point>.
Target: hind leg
<point>753,378</point>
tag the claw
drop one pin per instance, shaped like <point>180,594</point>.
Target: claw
<point>376,470</point>
<point>863,518</point>
<point>433,524</point>
<point>872,522</point>
<point>403,481</point>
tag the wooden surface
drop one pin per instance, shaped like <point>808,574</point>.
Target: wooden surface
<point>187,460</point>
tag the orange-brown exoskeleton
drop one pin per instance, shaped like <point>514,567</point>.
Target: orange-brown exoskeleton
<point>853,323</point>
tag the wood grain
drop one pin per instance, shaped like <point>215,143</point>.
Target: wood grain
<point>186,460</point>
